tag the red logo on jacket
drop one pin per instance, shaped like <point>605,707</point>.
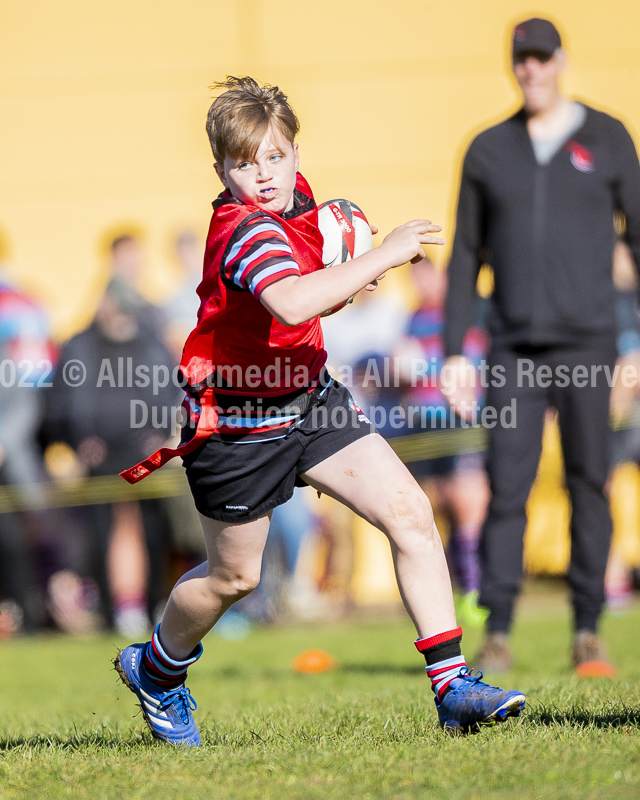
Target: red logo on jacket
<point>581,158</point>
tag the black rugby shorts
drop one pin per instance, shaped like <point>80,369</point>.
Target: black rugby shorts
<point>236,482</point>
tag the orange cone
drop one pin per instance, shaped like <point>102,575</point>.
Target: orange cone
<point>595,669</point>
<point>312,661</point>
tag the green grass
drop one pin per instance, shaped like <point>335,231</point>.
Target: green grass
<point>366,730</point>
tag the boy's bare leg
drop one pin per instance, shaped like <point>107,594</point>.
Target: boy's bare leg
<point>201,596</point>
<point>368,477</point>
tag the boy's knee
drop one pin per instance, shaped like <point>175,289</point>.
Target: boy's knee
<point>245,585</point>
<point>411,515</point>
<point>423,522</point>
<point>234,586</point>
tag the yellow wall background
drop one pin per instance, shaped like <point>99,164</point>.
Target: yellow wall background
<point>103,107</point>
<point>103,103</point>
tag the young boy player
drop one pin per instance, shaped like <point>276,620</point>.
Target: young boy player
<point>258,345</point>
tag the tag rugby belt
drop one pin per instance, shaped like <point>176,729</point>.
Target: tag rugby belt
<point>203,412</point>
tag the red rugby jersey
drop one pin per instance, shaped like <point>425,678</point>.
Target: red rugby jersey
<point>234,329</point>
<point>237,345</point>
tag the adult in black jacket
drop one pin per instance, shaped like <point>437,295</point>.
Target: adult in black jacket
<point>112,418</point>
<point>538,197</point>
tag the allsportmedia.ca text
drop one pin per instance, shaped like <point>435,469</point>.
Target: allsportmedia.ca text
<point>387,372</point>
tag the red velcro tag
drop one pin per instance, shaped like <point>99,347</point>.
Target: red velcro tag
<point>206,426</point>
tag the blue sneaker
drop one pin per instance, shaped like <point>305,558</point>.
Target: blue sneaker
<point>168,714</point>
<point>472,702</point>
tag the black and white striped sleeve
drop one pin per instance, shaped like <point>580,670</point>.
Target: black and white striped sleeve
<point>259,255</point>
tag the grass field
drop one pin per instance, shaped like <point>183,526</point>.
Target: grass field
<point>365,730</point>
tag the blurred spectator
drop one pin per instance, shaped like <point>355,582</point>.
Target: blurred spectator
<point>126,261</point>
<point>625,409</point>
<point>25,365</point>
<point>283,592</point>
<point>117,415</point>
<point>181,310</point>
<point>369,327</point>
<point>180,314</point>
<point>624,395</point>
<point>376,390</point>
<point>291,524</point>
<point>455,483</point>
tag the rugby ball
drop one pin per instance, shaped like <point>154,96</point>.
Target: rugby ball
<point>345,233</point>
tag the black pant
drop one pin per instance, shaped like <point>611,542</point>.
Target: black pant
<point>514,453</point>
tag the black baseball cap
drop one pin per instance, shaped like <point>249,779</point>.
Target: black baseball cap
<point>536,36</point>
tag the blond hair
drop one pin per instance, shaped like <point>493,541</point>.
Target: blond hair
<point>241,115</point>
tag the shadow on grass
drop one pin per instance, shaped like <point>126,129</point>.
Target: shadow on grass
<point>582,717</point>
<point>233,672</point>
<point>380,669</point>
<point>106,740</point>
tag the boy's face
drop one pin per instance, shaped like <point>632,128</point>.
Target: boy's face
<point>268,180</point>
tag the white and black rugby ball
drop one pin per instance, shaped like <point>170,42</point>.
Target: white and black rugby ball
<point>346,235</point>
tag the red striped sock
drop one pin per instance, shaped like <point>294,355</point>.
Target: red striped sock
<point>445,675</point>
<point>448,642</point>
<point>162,670</point>
<point>444,659</point>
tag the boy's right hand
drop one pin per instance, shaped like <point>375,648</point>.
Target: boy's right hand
<point>404,244</point>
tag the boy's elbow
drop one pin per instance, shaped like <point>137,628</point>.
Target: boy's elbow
<point>290,315</point>
<point>284,305</point>
<point>291,319</point>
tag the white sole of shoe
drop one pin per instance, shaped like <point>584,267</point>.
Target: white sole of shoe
<point>512,708</point>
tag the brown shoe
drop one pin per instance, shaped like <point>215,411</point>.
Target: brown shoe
<point>494,654</point>
<point>590,656</point>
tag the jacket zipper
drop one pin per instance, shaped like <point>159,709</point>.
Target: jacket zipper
<point>539,209</point>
